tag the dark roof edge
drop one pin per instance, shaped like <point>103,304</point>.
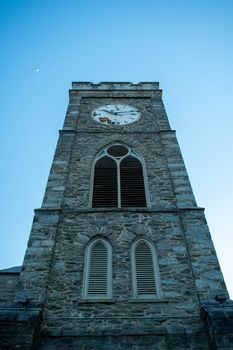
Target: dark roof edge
<point>14,269</point>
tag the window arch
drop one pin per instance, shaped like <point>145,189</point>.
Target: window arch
<point>145,273</point>
<point>119,179</point>
<point>98,270</point>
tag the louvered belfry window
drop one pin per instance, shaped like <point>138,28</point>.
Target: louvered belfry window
<point>132,183</point>
<point>97,274</point>
<point>118,179</point>
<point>97,283</point>
<point>105,183</point>
<point>145,270</point>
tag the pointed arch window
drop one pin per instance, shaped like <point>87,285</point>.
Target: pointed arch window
<point>98,270</point>
<point>145,273</point>
<point>119,179</point>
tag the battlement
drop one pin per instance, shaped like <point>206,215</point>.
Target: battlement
<point>87,85</point>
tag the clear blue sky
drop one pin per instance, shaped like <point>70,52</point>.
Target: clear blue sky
<point>185,45</point>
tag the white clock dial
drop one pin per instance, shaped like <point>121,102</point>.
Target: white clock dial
<point>116,114</point>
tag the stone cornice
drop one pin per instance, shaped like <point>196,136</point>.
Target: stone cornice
<point>118,210</point>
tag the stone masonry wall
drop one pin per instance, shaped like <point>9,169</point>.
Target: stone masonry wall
<point>52,273</point>
<point>8,282</point>
<point>67,314</point>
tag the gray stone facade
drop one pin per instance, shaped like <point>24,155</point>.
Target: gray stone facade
<point>8,282</point>
<point>187,316</point>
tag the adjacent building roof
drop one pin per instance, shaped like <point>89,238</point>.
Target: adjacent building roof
<point>14,269</point>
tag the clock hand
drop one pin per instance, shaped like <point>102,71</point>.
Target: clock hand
<point>109,112</point>
<point>120,112</point>
<point>126,112</point>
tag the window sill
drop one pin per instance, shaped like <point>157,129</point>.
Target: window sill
<point>97,300</point>
<point>111,301</point>
<point>149,300</point>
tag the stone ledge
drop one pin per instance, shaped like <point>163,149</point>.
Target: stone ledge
<point>19,327</point>
<point>111,85</point>
<point>155,300</point>
<point>47,209</point>
<point>119,94</point>
<point>73,131</point>
<point>117,210</point>
<point>90,301</point>
<point>112,301</point>
<point>67,131</point>
<point>218,320</point>
<point>116,342</point>
<point>194,318</point>
<point>72,333</point>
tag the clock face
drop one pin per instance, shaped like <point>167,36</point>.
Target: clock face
<point>116,114</point>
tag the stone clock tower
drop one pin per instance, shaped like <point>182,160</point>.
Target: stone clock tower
<point>120,255</point>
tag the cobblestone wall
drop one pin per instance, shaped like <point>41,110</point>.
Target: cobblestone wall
<point>8,283</point>
<point>53,268</point>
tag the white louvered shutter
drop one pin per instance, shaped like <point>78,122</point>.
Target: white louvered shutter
<point>98,271</point>
<point>145,277</point>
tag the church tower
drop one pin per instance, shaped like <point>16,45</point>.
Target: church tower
<point>120,255</point>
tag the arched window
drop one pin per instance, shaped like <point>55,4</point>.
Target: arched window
<point>145,274</point>
<point>98,270</point>
<point>118,179</point>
